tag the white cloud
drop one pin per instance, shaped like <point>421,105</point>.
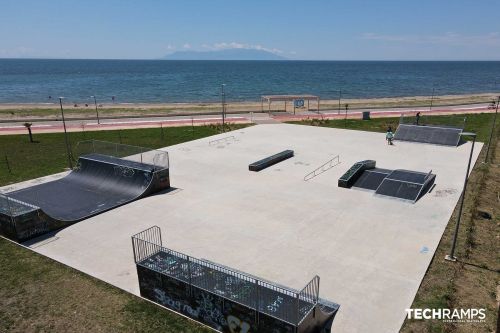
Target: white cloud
<point>448,38</point>
<point>236,45</point>
<point>186,46</point>
<point>20,51</point>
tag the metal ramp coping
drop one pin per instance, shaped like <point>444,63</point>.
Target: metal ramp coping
<point>431,134</point>
<point>323,168</point>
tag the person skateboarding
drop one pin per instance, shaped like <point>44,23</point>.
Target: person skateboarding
<point>389,136</point>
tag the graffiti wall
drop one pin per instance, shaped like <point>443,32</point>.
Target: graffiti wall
<point>206,307</point>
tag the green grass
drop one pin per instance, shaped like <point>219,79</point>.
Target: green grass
<point>21,160</point>
<point>478,123</point>
<point>38,294</point>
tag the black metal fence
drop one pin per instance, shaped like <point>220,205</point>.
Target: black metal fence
<point>157,158</point>
<point>454,121</point>
<point>14,207</point>
<point>280,302</point>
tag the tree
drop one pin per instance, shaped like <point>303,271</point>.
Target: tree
<point>28,126</point>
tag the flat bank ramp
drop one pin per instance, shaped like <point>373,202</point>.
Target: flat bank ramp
<point>438,135</point>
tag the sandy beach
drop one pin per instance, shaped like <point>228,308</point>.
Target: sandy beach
<point>48,111</point>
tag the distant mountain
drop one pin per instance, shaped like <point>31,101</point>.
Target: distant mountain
<point>228,54</point>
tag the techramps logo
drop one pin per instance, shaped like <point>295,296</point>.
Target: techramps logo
<point>472,315</point>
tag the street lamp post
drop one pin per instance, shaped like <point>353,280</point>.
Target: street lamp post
<point>223,101</point>
<point>68,148</point>
<point>96,111</point>
<point>432,99</point>
<point>345,118</point>
<point>451,256</point>
<point>340,97</point>
<point>492,130</point>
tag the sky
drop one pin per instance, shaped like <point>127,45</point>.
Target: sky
<point>305,30</point>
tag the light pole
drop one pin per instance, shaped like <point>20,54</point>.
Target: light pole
<point>451,256</point>
<point>492,130</point>
<point>345,118</point>
<point>340,97</point>
<point>68,148</point>
<point>223,101</point>
<point>432,99</point>
<point>96,111</point>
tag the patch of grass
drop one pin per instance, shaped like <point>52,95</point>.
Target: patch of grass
<point>472,281</point>
<point>21,160</point>
<point>478,123</point>
<point>38,294</point>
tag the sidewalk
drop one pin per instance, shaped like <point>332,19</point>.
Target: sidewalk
<point>200,120</point>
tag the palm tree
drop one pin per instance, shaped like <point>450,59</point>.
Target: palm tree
<point>28,126</point>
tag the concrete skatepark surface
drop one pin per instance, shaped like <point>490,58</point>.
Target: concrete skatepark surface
<point>370,252</point>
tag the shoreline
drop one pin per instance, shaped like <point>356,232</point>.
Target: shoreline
<point>483,96</point>
<point>48,111</point>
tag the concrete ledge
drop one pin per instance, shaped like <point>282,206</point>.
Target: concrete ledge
<point>271,160</point>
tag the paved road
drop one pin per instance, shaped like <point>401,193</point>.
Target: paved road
<point>52,126</point>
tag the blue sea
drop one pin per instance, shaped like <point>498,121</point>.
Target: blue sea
<point>161,81</point>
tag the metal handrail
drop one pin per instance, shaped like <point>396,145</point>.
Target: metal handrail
<point>330,165</point>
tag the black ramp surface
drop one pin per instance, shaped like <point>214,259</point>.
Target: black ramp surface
<point>448,136</point>
<point>398,189</point>
<point>405,184</point>
<point>99,183</point>
<point>371,179</point>
<point>408,176</point>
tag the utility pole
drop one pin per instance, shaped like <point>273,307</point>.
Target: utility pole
<point>432,99</point>
<point>345,118</point>
<point>340,97</point>
<point>492,130</point>
<point>223,100</point>
<point>451,256</point>
<point>68,147</point>
<point>96,111</point>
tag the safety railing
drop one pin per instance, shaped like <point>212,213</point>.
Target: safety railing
<point>308,297</point>
<point>146,243</point>
<point>322,168</point>
<point>265,297</point>
<point>452,121</point>
<point>13,207</point>
<point>157,158</point>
